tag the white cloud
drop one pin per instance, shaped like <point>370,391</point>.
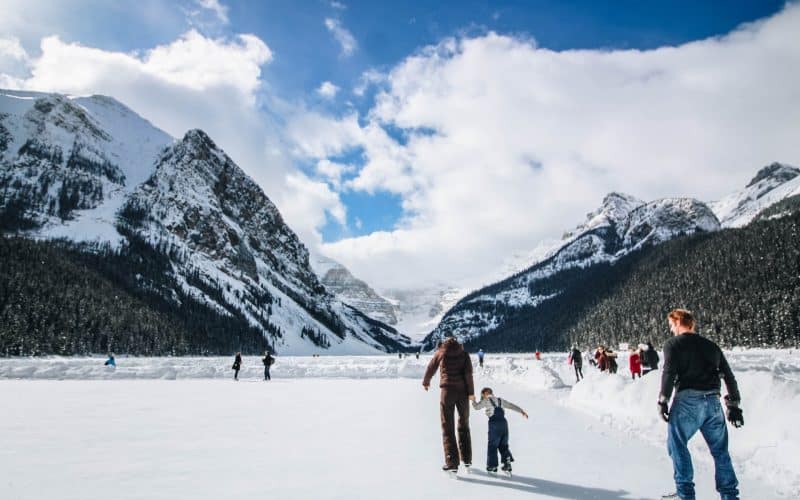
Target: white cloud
<point>333,171</point>
<point>509,144</point>
<point>13,62</point>
<point>367,79</point>
<point>219,10</point>
<point>338,5</point>
<point>346,39</point>
<point>327,90</point>
<point>313,203</point>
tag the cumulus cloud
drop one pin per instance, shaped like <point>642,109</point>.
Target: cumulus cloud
<point>315,203</point>
<point>13,61</point>
<point>346,39</point>
<point>327,90</point>
<point>506,144</point>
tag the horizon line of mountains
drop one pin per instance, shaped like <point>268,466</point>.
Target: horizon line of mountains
<point>120,237</point>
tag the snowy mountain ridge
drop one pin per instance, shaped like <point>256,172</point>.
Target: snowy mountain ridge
<point>773,183</point>
<point>91,169</point>
<point>338,280</point>
<point>621,225</point>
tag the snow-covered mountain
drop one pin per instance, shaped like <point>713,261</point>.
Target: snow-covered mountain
<point>419,310</point>
<point>338,280</point>
<point>68,164</point>
<point>772,184</point>
<point>621,225</point>
<point>91,169</point>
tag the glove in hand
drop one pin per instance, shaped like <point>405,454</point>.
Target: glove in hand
<point>734,414</point>
<point>663,411</point>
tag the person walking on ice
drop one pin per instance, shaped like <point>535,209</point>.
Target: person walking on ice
<point>457,389</point>
<point>268,361</point>
<point>237,365</point>
<point>693,366</point>
<point>481,354</point>
<point>498,428</point>
<point>576,358</point>
<point>111,361</point>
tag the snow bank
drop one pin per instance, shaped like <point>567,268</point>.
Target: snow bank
<point>767,447</point>
<point>517,369</point>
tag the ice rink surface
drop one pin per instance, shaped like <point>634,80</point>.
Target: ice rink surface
<point>310,438</point>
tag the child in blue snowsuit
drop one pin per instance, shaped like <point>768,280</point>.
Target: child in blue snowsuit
<point>498,428</point>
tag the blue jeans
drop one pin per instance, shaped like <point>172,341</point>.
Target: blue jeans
<point>694,411</point>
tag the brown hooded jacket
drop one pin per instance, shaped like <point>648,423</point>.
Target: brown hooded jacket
<point>454,365</point>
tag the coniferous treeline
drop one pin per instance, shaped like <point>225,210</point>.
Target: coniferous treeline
<point>57,297</point>
<point>743,284</point>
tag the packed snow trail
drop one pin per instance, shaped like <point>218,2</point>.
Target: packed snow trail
<point>304,438</point>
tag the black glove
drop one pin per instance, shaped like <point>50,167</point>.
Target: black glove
<point>663,411</point>
<point>734,413</point>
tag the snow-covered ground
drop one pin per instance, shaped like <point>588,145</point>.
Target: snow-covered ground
<point>361,427</point>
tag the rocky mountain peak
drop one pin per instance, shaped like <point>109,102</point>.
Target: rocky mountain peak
<point>777,171</point>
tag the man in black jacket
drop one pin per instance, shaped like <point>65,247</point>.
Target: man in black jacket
<point>693,366</point>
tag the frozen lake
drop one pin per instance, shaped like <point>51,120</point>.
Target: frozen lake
<point>364,429</point>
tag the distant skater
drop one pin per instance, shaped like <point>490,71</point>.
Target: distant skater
<point>576,358</point>
<point>481,354</point>
<point>635,363</point>
<point>268,361</point>
<point>457,390</point>
<point>498,428</point>
<point>649,359</point>
<point>237,365</point>
<point>111,361</point>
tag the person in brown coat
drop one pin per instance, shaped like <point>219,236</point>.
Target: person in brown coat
<point>457,389</point>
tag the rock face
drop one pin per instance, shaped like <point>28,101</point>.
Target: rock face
<point>339,281</point>
<point>620,226</point>
<point>772,184</point>
<point>68,163</point>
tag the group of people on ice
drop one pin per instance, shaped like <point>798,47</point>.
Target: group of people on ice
<point>641,360</point>
<point>268,360</point>
<point>693,369</point>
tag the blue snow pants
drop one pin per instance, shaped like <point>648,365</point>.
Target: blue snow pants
<point>498,439</point>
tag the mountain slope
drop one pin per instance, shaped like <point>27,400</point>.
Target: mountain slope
<point>771,184</point>
<point>91,169</point>
<point>338,280</point>
<point>67,164</point>
<point>622,225</point>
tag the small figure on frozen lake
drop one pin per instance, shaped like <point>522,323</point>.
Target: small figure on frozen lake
<point>268,361</point>
<point>650,359</point>
<point>576,358</point>
<point>481,354</point>
<point>498,429</point>
<point>693,366</point>
<point>457,390</point>
<point>111,361</point>
<point>237,365</point>
<point>635,363</point>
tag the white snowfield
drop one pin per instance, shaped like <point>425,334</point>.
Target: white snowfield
<point>355,427</point>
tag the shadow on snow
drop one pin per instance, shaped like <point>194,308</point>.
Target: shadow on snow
<point>547,488</point>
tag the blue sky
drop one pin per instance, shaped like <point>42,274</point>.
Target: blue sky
<point>462,97</point>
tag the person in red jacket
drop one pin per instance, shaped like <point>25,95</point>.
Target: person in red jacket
<point>635,362</point>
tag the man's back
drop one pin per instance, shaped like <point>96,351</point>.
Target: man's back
<point>695,362</point>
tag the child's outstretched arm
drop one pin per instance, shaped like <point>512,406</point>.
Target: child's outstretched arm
<point>511,406</point>
<point>482,404</point>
